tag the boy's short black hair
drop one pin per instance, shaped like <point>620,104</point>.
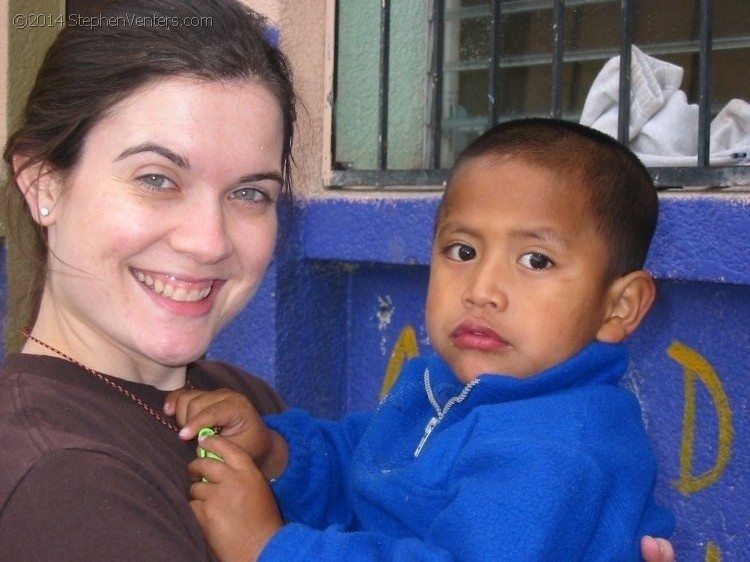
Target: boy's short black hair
<point>622,195</point>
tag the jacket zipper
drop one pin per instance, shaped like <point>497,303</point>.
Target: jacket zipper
<point>435,420</point>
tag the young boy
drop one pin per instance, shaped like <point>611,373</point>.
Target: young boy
<point>514,441</point>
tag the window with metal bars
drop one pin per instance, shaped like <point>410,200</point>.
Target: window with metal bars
<point>415,82</point>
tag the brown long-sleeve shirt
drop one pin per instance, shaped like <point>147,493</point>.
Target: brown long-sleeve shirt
<point>86,474</point>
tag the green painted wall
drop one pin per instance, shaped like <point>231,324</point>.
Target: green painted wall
<point>356,103</point>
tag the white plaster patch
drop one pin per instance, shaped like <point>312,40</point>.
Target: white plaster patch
<point>385,312</point>
<point>384,315</point>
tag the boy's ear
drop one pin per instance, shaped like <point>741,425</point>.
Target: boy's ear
<point>40,187</point>
<point>630,298</point>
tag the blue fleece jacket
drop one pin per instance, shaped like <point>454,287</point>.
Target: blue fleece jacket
<point>553,467</point>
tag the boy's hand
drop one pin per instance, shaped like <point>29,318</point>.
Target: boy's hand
<point>656,550</point>
<point>229,410</point>
<point>238,419</point>
<point>235,507</point>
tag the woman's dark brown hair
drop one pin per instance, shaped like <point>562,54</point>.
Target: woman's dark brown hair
<point>97,62</point>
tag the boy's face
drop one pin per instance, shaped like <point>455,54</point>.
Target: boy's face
<point>518,273</point>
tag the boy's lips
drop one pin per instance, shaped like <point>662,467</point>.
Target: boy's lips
<point>477,335</point>
<point>173,288</point>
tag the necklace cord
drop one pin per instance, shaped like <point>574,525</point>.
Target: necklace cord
<point>26,331</point>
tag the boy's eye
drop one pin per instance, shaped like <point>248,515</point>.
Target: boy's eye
<point>535,260</point>
<point>250,195</point>
<point>460,252</point>
<point>156,182</point>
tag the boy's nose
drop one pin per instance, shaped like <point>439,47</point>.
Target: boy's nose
<point>486,288</point>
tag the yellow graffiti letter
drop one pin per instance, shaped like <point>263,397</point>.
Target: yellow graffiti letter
<point>713,553</point>
<point>405,348</point>
<point>697,368</point>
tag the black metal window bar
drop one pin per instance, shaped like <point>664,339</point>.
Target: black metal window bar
<point>434,175</point>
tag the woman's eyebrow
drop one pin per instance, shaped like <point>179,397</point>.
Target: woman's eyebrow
<point>260,176</point>
<point>183,162</point>
<point>180,161</point>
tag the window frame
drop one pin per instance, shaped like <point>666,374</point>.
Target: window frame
<point>433,177</point>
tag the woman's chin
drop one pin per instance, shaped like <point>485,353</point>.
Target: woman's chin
<point>176,353</point>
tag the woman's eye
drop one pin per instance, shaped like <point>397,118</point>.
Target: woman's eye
<point>156,182</point>
<point>460,252</point>
<point>250,195</point>
<point>535,260</point>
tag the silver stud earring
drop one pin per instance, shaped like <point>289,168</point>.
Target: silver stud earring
<point>44,211</point>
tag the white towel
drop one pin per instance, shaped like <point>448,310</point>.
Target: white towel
<point>663,125</point>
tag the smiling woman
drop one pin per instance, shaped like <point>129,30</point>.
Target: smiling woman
<point>152,160</point>
<point>185,236</point>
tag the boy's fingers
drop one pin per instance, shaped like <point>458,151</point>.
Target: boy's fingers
<point>205,413</point>
<point>666,549</point>
<point>196,469</point>
<point>656,550</point>
<point>211,470</point>
<point>183,403</point>
<point>200,491</point>
<point>199,400</point>
<point>196,409</point>
<point>231,454</point>
<point>170,402</point>
<point>197,506</point>
<point>203,471</point>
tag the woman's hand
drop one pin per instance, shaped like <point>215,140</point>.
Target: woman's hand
<point>656,550</point>
<point>234,505</point>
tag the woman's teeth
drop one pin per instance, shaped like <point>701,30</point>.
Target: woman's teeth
<point>164,289</point>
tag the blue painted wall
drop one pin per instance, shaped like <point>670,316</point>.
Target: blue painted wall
<point>353,275</point>
<point>325,324</point>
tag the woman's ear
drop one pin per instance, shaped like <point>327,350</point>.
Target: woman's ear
<point>40,187</point>
<point>629,299</point>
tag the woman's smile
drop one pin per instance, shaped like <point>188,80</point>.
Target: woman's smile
<point>173,288</point>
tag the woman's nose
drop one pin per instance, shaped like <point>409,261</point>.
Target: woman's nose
<point>203,233</point>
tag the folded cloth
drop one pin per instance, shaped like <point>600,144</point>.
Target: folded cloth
<point>663,127</point>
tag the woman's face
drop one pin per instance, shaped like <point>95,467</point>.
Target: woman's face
<point>164,229</point>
